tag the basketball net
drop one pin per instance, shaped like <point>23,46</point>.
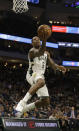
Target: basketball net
<point>20,6</point>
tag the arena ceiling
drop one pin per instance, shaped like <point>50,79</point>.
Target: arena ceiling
<point>26,24</point>
<point>47,10</point>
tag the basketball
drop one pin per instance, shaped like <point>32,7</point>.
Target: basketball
<point>44,31</point>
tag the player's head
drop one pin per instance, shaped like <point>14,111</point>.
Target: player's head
<point>36,42</point>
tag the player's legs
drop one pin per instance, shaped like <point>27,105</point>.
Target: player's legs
<point>45,101</point>
<point>22,104</point>
<point>39,83</point>
<point>36,81</point>
<point>43,94</point>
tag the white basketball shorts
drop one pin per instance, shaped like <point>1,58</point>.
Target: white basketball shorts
<point>33,79</point>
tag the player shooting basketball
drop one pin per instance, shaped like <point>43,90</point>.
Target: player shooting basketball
<point>38,59</point>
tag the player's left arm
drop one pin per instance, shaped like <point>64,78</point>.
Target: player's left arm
<point>54,66</point>
<point>61,68</point>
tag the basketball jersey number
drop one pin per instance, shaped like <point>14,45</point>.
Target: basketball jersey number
<point>43,65</point>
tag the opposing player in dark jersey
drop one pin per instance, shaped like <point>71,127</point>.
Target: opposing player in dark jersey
<point>38,59</point>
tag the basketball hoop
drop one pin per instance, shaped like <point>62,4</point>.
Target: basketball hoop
<point>20,6</point>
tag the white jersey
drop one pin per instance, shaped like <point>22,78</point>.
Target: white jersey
<point>38,64</point>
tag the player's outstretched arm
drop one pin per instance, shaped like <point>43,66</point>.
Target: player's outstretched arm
<point>54,66</point>
<point>43,45</point>
<point>44,32</point>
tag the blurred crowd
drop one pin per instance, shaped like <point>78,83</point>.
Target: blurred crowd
<point>64,102</point>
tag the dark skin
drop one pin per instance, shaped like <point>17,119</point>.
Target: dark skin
<point>36,51</point>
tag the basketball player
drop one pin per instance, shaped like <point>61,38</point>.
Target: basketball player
<point>38,59</point>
